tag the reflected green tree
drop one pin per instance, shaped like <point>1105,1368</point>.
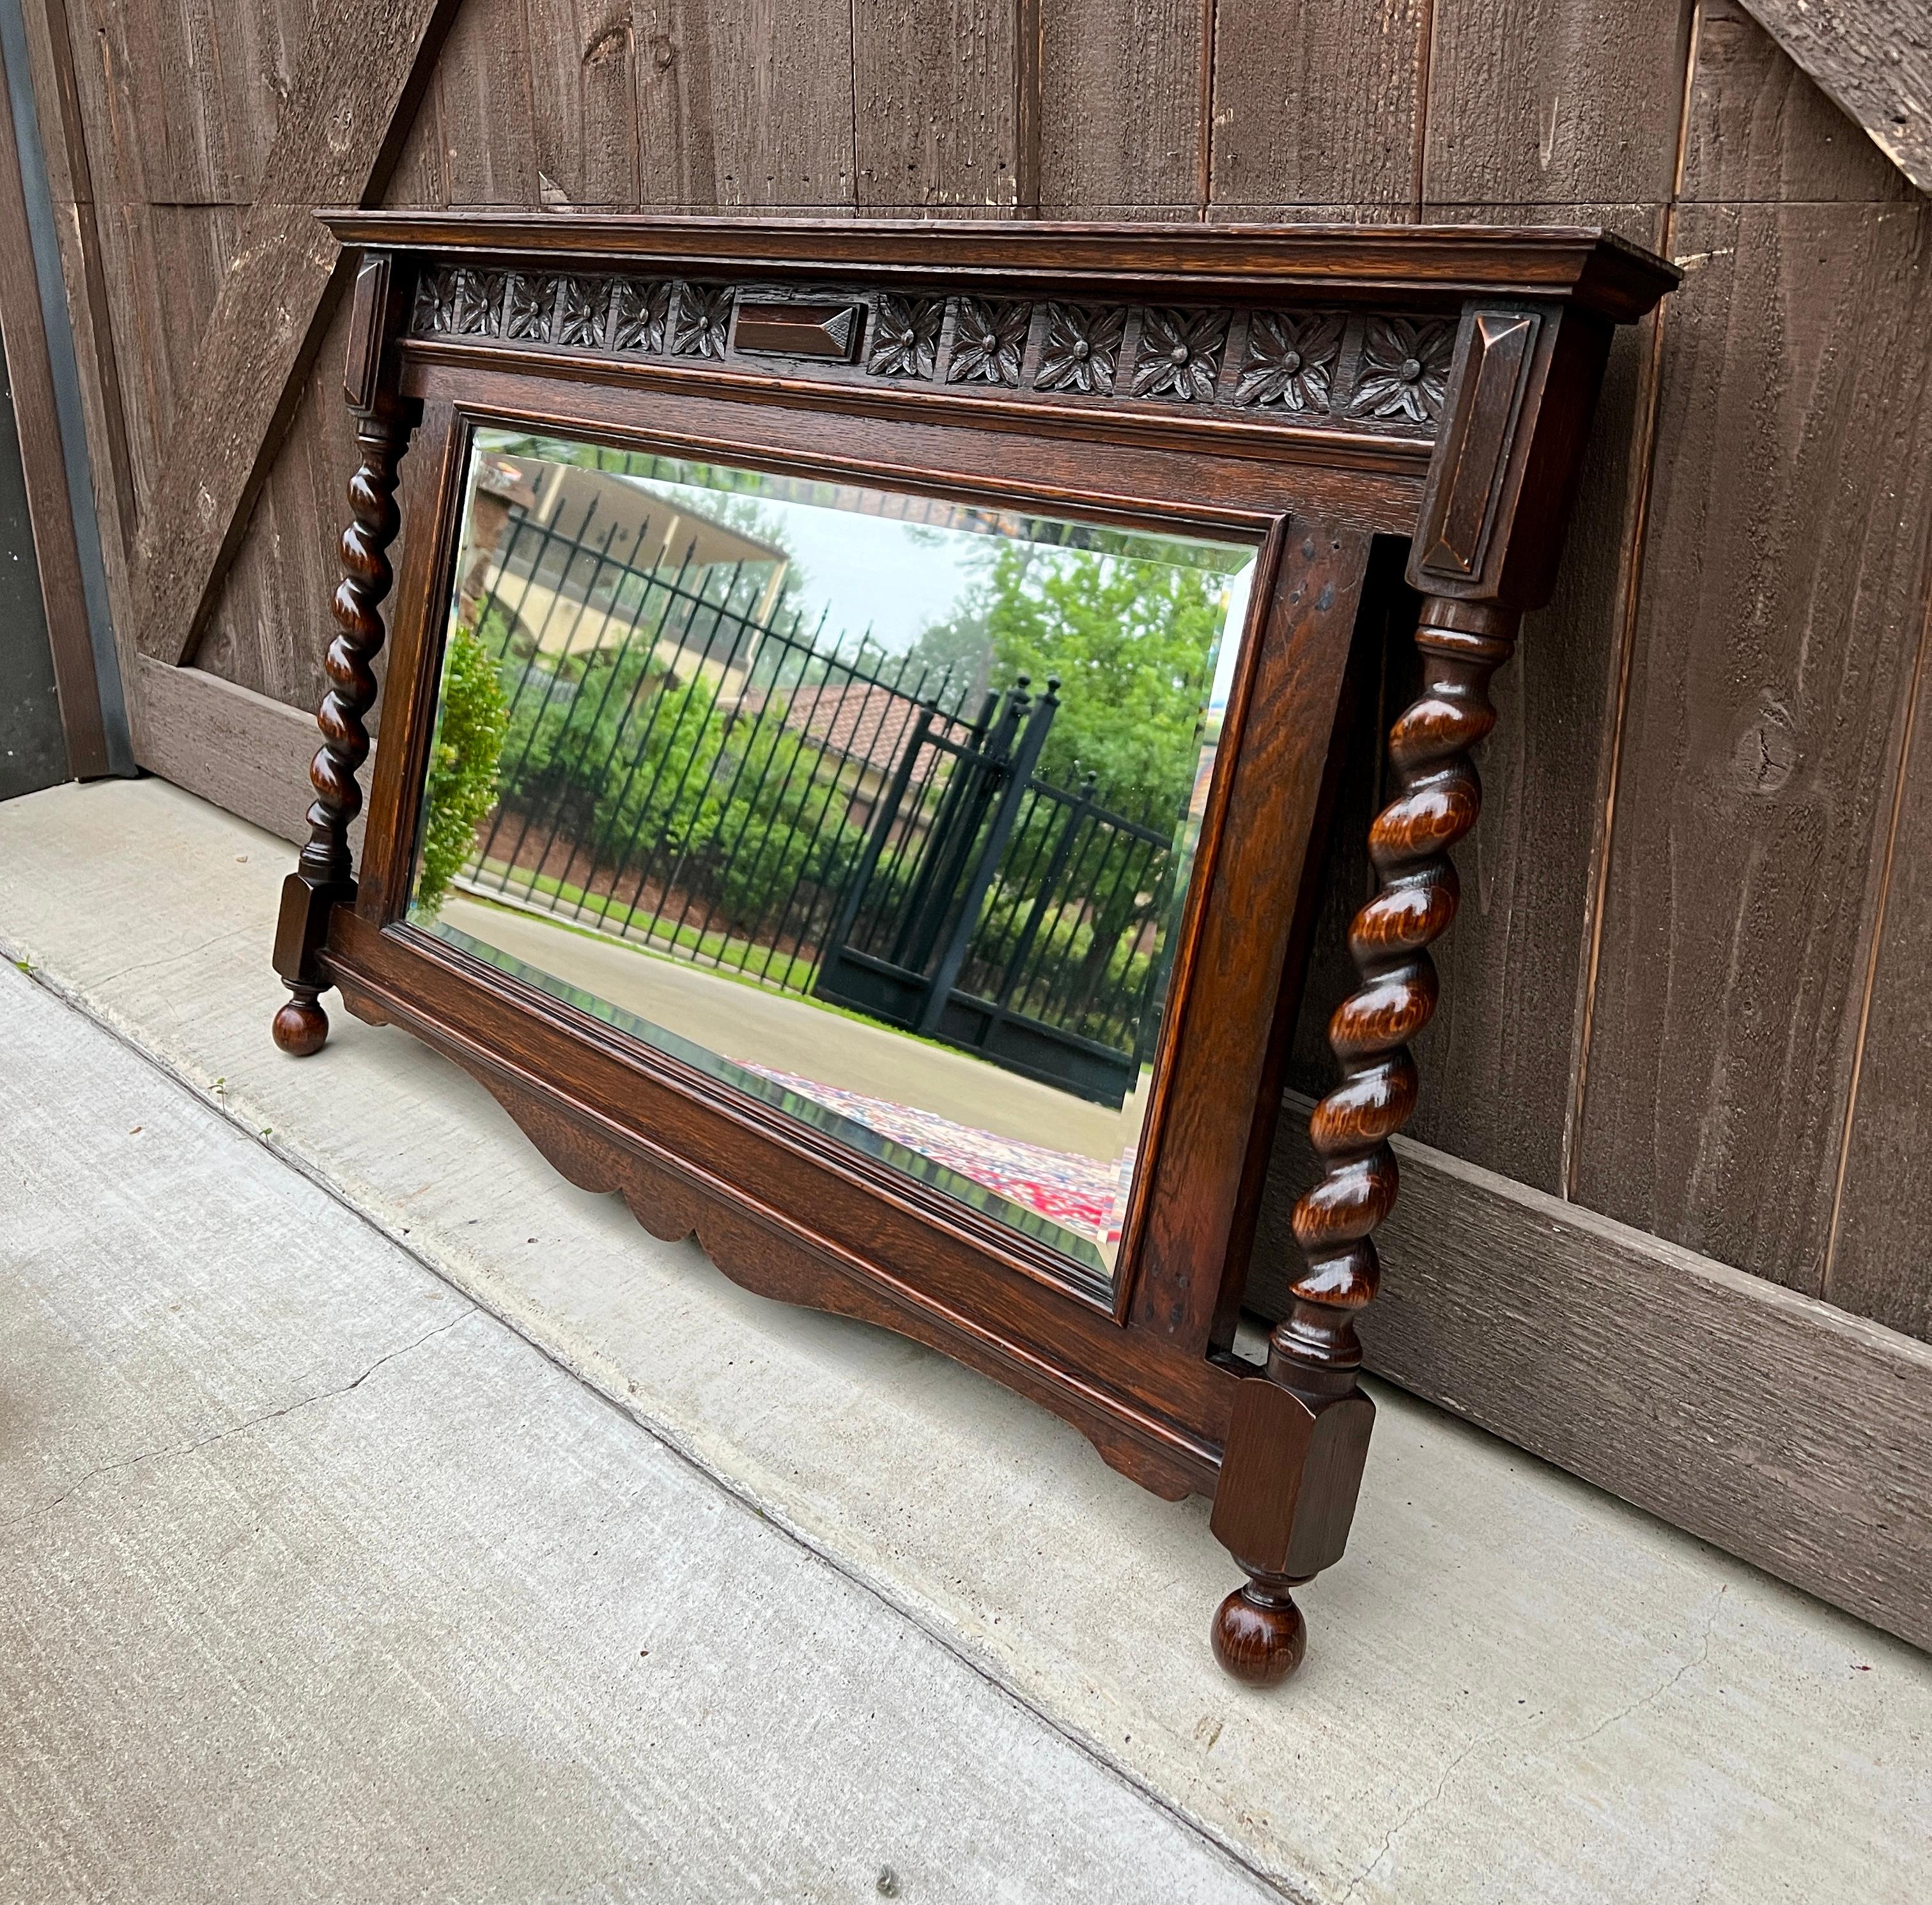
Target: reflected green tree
<point>473,719</point>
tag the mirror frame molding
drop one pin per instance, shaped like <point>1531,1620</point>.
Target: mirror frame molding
<point>1308,388</point>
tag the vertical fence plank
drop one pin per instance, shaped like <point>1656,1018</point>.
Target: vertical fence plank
<point>936,89</point>
<point>1760,130</point>
<point>1877,1264</point>
<point>1554,102</point>
<point>1781,600</point>
<point>165,264</point>
<point>420,181</point>
<point>486,108</point>
<point>584,100</point>
<point>744,103</point>
<point>1121,97</point>
<point>1318,103</point>
<point>1769,675</point>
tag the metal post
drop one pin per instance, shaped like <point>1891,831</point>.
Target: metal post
<point>1019,773</point>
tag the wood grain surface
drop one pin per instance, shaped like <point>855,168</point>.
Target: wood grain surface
<point>1119,87</point>
<point>343,119</point>
<point>1279,141</point>
<point>1873,57</point>
<point>934,89</point>
<point>1876,1264</point>
<point>1554,102</point>
<point>1784,593</point>
<point>239,749</point>
<point>744,103</point>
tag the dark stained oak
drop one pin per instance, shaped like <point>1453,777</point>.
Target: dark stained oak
<point>1455,373</point>
<point>324,872</point>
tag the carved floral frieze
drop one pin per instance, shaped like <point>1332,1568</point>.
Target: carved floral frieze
<point>638,314</point>
<point>1405,369</point>
<point>1382,369</point>
<point>526,306</point>
<point>704,324</point>
<point>580,310</point>
<point>1180,355</point>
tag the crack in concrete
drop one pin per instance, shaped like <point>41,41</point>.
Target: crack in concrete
<point>173,958</point>
<point>1656,1692</point>
<point>1414,1813</point>
<point>1423,1805</point>
<point>238,1428</point>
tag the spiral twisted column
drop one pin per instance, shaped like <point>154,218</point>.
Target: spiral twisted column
<point>1462,645</point>
<point>1314,1353</point>
<point>324,873</point>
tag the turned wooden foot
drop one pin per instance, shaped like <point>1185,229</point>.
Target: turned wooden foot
<point>1259,1635</point>
<point>301,1026</point>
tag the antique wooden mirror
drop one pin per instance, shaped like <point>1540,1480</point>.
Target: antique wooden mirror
<point>852,766</point>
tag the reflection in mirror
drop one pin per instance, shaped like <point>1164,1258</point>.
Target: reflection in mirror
<point>879,808</point>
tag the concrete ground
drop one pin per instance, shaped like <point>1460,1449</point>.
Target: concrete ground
<point>293,1541</point>
<point>320,1582</point>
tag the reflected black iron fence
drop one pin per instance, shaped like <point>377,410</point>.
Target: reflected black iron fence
<point>1020,920</point>
<point>686,768</point>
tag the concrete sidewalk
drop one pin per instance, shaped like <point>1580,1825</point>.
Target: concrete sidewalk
<point>1517,1689</point>
<point>320,1582</point>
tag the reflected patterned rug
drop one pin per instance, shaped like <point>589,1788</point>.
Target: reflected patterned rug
<point>1083,1194</point>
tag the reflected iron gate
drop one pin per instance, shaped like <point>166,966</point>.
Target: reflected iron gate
<point>998,912</point>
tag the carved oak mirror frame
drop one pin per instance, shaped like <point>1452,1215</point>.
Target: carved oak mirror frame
<point>1306,388</point>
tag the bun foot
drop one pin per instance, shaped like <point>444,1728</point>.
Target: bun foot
<point>301,1028</point>
<point>1259,1636</point>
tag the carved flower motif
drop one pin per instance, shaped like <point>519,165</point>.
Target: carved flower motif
<point>988,342</point>
<point>703,320</point>
<point>1289,360</point>
<point>526,305</point>
<point>464,303</point>
<point>1405,369</point>
<point>640,313</point>
<point>432,292</point>
<point>1080,350</point>
<point>905,336</point>
<point>580,312</point>
<point>1180,355</point>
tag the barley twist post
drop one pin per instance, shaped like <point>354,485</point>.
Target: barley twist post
<point>1314,1353</point>
<point>324,874</point>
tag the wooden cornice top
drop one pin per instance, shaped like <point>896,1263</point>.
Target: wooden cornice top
<point>1578,265</point>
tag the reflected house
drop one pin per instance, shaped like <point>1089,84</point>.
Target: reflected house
<point>596,554</point>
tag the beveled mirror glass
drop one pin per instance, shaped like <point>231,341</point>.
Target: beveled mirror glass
<point>878,808</point>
